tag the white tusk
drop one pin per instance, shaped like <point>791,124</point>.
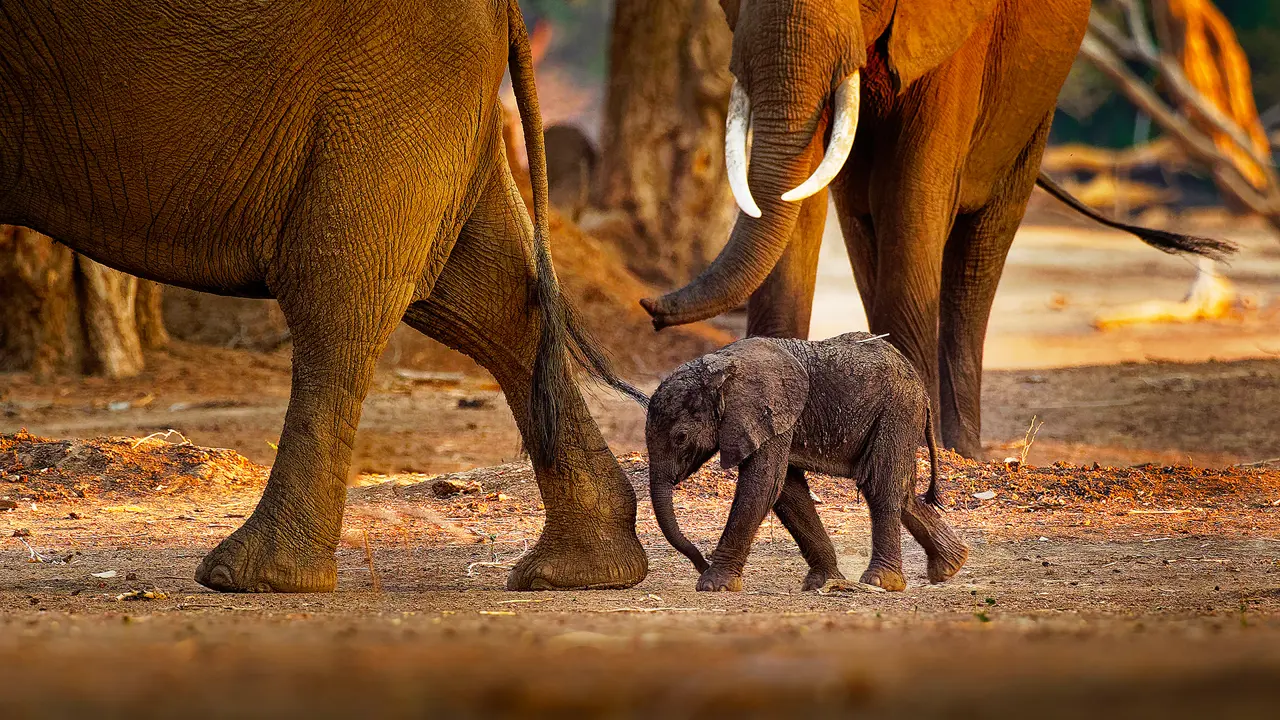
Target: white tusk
<point>736,128</point>
<point>844,127</point>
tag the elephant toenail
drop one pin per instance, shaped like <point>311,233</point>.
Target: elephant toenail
<point>220,578</point>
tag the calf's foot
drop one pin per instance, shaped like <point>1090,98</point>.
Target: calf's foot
<point>718,578</point>
<point>886,578</point>
<point>818,577</point>
<point>265,556</point>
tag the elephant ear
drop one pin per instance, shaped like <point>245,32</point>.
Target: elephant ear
<point>763,389</point>
<point>924,33</point>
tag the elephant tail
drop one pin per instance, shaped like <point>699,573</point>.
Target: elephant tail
<point>1162,240</point>
<point>560,330</point>
<point>932,496</point>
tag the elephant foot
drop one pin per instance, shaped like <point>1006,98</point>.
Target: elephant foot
<point>720,579</point>
<point>566,560</point>
<point>817,578</point>
<point>257,558</point>
<point>890,580</point>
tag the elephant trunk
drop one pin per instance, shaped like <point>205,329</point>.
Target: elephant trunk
<point>783,153</point>
<point>660,492</point>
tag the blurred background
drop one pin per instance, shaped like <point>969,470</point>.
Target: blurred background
<point>1170,118</point>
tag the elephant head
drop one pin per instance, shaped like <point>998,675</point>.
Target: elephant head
<point>730,401</point>
<point>796,67</point>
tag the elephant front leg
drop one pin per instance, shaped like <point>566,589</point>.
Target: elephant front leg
<point>971,268</point>
<point>760,480</point>
<point>481,306</point>
<point>798,514</point>
<point>783,304</point>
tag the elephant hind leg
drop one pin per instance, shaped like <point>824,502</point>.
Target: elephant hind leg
<point>947,553</point>
<point>887,468</point>
<point>481,305</point>
<point>796,510</point>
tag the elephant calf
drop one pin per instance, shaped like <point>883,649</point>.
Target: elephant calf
<point>851,406</point>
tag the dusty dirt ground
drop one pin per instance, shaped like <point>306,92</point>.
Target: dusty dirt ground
<point>1149,590</point>
<point>1147,586</point>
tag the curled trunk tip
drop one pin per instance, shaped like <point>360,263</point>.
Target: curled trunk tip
<point>660,494</point>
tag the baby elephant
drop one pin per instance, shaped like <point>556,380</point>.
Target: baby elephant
<point>850,406</point>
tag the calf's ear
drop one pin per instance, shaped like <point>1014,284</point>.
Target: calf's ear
<point>763,392</point>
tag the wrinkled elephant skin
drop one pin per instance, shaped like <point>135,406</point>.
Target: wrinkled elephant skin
<point>345,159</point>
<point>850,406</point>
<point>937,112</point>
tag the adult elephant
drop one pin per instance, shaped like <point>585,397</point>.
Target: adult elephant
<point>950,102</point>
<point>347,160</point>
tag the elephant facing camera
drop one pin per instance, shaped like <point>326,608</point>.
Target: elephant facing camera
<point>851,406</point>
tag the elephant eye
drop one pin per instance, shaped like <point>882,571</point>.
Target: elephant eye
<point>681,437</point>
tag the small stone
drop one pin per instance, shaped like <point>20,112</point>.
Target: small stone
<point>22,532</point>
<point>445,488</point>
<point>985,495</point>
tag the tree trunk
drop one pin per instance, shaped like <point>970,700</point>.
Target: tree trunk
<point>39,326</point>
<point>62,313</point>
<point>150,315</point>
<point>662,149</point>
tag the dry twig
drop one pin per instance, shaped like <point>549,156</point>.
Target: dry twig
<point>368,557</point>
<point>165,435</point>
<point>1028,440</point>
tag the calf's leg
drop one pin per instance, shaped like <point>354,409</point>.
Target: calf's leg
<point>799,516</point>
<point>760,480</point>
<point>946,551</point>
